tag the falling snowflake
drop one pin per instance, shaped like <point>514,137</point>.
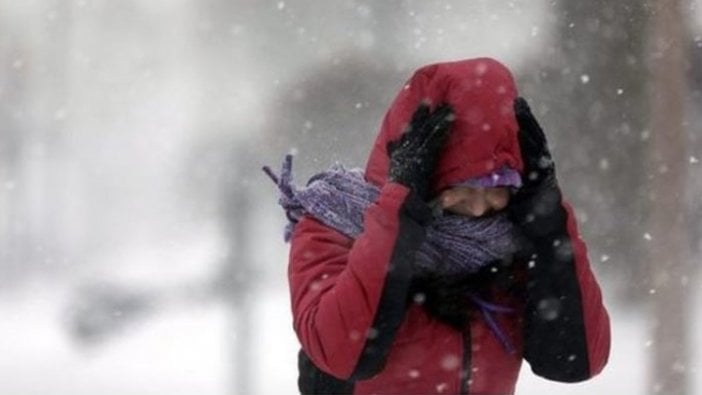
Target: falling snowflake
<point>549,309</point>
<point>450,362</point>
<point>372,333</point>
<point>678,367</point>
<point>604,164</point>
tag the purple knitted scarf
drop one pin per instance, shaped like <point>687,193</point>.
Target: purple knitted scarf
<point>455,244</point>
<point>338,197</point>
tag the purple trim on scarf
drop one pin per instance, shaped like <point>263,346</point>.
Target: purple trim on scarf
<point>487,309</point>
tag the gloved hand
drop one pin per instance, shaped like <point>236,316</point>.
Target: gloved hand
<point>413,157</point>
<point>536,206</point>
<point>553,313</point>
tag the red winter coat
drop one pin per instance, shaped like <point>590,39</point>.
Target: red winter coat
<point>349,297</point>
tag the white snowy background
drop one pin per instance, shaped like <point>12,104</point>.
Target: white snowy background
<point>118,104</point>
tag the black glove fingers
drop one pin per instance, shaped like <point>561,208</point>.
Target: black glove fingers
<point>413,156</point>
<point>443,112</point>
<point>527,121</point>
<point>530,148</point>
<point>405,141</point>
<point>532,138</point>
<point>439,126</point>
<point>541,154</point>
<point>437,139</point>
<point>419,119</point>
<point>537,133</point>
<point>421,113</point>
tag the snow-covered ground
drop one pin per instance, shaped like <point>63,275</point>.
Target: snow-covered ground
<point>188,350</point>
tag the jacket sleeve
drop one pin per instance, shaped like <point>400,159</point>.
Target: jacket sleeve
<point>567,329</point>
<point>349,296</point>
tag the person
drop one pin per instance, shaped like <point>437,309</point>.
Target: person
<point>450,259</point>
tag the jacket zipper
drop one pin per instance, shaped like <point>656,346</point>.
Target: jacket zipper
<point>465,368</point>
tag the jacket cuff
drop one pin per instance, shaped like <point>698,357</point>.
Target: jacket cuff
<point>414,206</point>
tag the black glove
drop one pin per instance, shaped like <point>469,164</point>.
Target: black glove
<point>536,206</point>
<point>413,157</point>
<point>553,319</point>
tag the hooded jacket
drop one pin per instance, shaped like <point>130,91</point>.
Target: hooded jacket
<point>349,297</point>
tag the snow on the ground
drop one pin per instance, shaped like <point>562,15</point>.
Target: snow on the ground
<point>188,350</point>
<point>176,352</point>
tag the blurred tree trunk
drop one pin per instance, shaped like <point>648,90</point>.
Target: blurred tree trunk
<point>53,167</point>
<point>223,55</point>
<point>588,90</point>
<point>668,247</point>
<point>237,275</point>
<point>694,143</point>
<point>32,98</point>
<point>13,118</point>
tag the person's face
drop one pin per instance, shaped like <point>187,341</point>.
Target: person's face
<point>474,201</point>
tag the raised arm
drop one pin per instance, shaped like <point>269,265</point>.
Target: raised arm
<point>567,329</point>
<point>349,296</point>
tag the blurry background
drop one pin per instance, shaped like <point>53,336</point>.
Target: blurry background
<point>141,246</point>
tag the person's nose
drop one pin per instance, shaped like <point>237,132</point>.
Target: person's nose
<point>498,202</point>
<point>480,207</point>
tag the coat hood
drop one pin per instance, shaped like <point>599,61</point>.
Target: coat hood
<point>483,138</point>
